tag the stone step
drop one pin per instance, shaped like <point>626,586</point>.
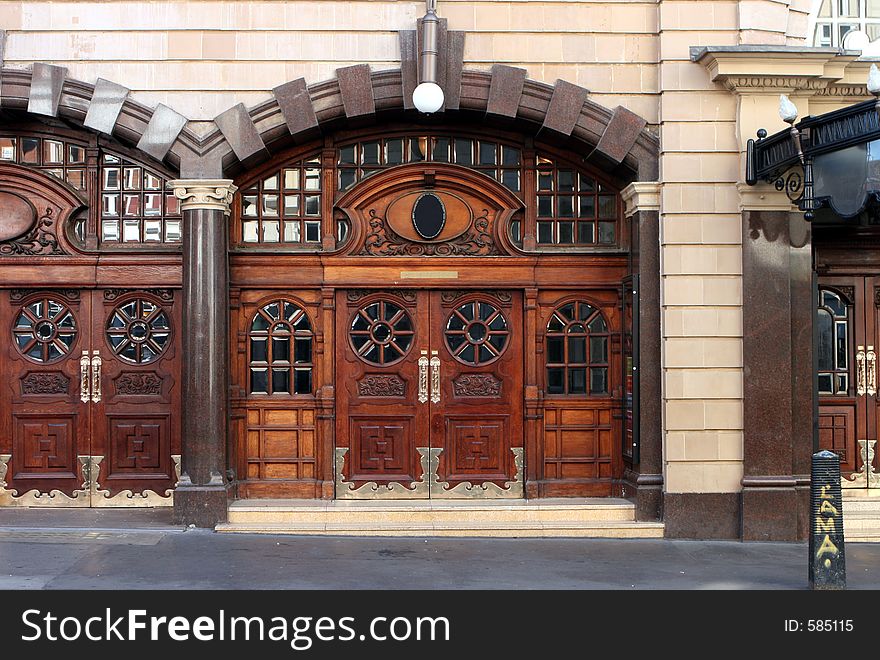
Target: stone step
<point>581,517</point>
<point>601,529</point>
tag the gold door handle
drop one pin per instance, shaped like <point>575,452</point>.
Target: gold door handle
<point>871,371</point>
<point>861,375</point>
<point>435,378</point>
<point>423,377</point>
<point>84,382</point>
<point>96,377</point>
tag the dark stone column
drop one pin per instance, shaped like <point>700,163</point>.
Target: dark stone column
<point>777,373</point>
<point>645,477</point>
<point>202,494</point>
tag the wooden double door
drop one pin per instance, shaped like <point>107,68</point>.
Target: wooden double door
<point>90,397</point>
<point>848,329</point>
<point>429,394</point>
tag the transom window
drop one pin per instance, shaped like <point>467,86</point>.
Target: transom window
<point>361,159</point>
<point>577,350</point>
<point>573,208</point>
<point>280,346</point>
<point>136,207</point>
<point>832,318</point>
<point>284,207</point>
<point>62,159</point>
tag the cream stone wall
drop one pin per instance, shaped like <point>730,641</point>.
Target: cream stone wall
<point>203,56</point>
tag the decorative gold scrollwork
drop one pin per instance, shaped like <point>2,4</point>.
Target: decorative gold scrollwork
<point>435,378</point>
<point>96,377</point>
<point>345,490</point>
<point>423,378</point>
<point>487,490</point>
<point>871,371</point>
<point>84,382</point>
<point>866,477</point>
<point>861,375</point>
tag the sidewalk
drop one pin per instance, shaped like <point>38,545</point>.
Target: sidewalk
<point>126,549</point>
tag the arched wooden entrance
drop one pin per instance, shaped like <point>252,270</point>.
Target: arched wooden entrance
<point>428,314</point>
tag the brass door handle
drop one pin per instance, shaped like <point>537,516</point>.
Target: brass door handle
<point>861,376</point>
<point>871,371</point>
<point>423,377</point>
<point>96,377</point>
<point>435,378</point>
<point>84,382</point>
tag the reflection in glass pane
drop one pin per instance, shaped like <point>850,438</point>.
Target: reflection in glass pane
<point>270,205</point>
<point>249,206</point>
<point>545,206</point>
<point>545,180</point>
<point>826,340</point>
<point>110,205</point>
<point>488,153</point>
<point>303,384</point>
<point>370,153</point>
<point>598,380</point>
<point>417,149</point>
<point>250,231</point>
<point>291,179</point>
<point>346,155</point>
<point>587,206</point>
<point>577,381</point>
<point>440,151</point>
<point>259,350</point>
<point>313,232</point>
<point>53,152</point>
<point>152,182</point>
<point>464,151</point>
<point>842,348</point>
<point>131,205</point>
<point>347,178</point>
<point>132,178</point>
<point>607,206</point>
<point>598,349</point>
<point>313,178</point>
<point>566,207</point>
<point>172,205</point>
<point>30,153</point>
<point>271,183</point>
<point>606,232</point>
<point>510,179</point>
<point>259,381</point>
<point>271,231</point>
<point>313,205</point>
<point>834,303</point>
<point>545,232</point>
<point>566,233</point>
<point>825,384</point>
<point>394,151</point>
<point>7,148</point>
<point>292,231</point>
<point>111,178</point>
<point>153,204</point>
<point>172,231</point>
<point>509,155</point>
<point>153,230</point>
<point>280,349</point>
<point>586,232</point>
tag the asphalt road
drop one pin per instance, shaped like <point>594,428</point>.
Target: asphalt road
<point>142,550</point>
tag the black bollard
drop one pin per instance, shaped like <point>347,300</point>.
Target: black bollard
<point>827,556</point>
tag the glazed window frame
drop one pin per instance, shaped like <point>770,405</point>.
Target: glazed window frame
<point>558,338</point>
<point>328,155</point>
<point>269,365</point>
<point>837,368</point>
<point>95,167</point>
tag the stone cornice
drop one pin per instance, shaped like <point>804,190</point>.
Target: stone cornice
<point>764,197</point>
<point>756,69</point>
<point>641,196</point>
<point>210,194</point>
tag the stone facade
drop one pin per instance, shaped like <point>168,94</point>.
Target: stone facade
<point>203,58</point>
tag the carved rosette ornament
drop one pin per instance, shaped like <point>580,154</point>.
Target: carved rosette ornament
<point>209,194</point>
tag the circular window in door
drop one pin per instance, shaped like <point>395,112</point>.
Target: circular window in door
<point>138,331</point>
<point>381,333</point>
<point>45,330</point>
<point>476,333</point>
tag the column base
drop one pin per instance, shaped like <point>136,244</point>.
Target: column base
<point>771,514</point>
<point>702,515</point>
<point>647,491</point>
<point>202,506</point>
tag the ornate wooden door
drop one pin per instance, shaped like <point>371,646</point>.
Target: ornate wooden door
<point>44,426</point>
<point>91,402</point>
<point>136,411</point>
<point>429,394</point>
<point>848,343</point>
<point>477,393</point>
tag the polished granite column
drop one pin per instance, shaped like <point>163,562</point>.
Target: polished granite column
<point>201,497</point>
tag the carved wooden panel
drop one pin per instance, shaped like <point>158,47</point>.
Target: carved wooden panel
<point>381,385</point>
<point>138,383</point>
<point>382,448</point>
<point>477,447</point>
<point>46,382</point>
<point>477,385</point>
<point>837,433</point>
<point>281,444</point>
<point>44,446</point>
<point>138,445</point>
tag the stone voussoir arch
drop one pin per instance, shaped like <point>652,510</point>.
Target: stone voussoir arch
<point>614,140</point>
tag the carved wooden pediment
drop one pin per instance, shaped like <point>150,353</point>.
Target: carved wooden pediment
<point>429,209</point>
<point>34,208</point>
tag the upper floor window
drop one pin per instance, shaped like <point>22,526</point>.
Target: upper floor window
<point>284,207</point>
<point>834,19</point>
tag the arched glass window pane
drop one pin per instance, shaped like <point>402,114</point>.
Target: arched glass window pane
<point>577,341</point>
<point>280,350</point>
<point>833,349</point>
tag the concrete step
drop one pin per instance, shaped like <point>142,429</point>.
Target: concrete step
<point>583,517</point>
<point>861,519</point>
<point>606,529</point>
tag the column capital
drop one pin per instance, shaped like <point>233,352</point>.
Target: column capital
<point>641,196</point>
<point>210,194</point>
